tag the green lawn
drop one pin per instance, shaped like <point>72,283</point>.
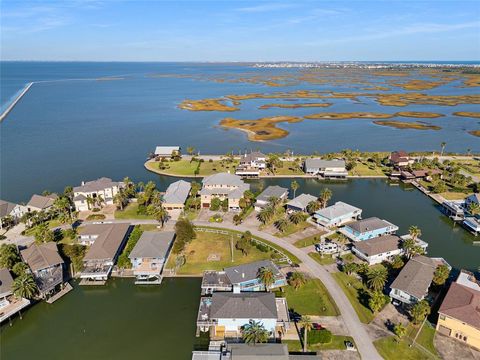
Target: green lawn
<point>425,338</point>
<point>356,292</point>
<point>187,168</point>
<point>293,228</point>
<point>130,212</point>
<point>337,343</point>
<point>310,240</point>
<point>364,170</point>
<point>206,244</point>
<point>53,223</point>
<point>391,348</point>
<point>289,168</point>
<point>325,260</point>
<point>311,299</point>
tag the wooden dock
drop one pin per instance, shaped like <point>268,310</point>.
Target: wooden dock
<point>87,282</point>
<point>66,289</point>
<point>15,101</point>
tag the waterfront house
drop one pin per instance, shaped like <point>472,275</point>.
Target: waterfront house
<point>9,303</point>
<point>103,188</point>
<point>454,209</point>
<point>225,313</point>
<point>251,164</point>
<point>300,203</point>
<point>224,186</point>
<point>40,202</point>
<point>10,210</point>
<point>105,243</point>
<point>271,191</point>
<point>242,351</point>
<point>334,169</point>
<point>337,214</point>
<point>412,283</point>
<point>472,223</point>
<point>149,255</point>
<point>167,151</point>
<point>473,198</point>
<point>368,228</point>
<point>46,265</point>
<point>459,314</point>
<point>400,159</point>
<point>176,195</point>
<point>423,174</point>
<point>242,278</point>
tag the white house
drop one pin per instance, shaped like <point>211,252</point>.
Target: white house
<point>167,151</point>
<point>12,210</point>
<point>337,214</point>
<point>325,168</point>
<point>103,187</point>
<point>271,191</point>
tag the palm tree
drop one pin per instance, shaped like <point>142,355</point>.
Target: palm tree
<point>273,161</point>
<point>443,144</point>
<point>400,330</point>
<point>90,201</point>
<point>376,278</point>
<point>266,276</point>
<point>313,206</point>
<point>120,199</point>
<point>298,217</point>
<point>266,214</point>
<point>254,332</point>
<point>441,274</point>
<point>408,245</point>
<point>325,196</point>
<point>100,200</point>
<point>190,150</point>
<point>158,212</point>
<point>474,208</point>
<point>306,324</point>
<point>24,286</point>
<point>297,280</point>
<point>294,186</point>
<point>274,201</point>
<point>414,232</point>
<point>282,224</point>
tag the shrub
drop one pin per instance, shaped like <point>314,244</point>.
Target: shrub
<point>3,237</point>
<point>95,210</point>
<point>322,336</point>
<point>210,160</point>
<point>96,217</point>
<point>262,247</point>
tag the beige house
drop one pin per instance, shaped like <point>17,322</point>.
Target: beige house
<point>40,202</point>
<point>176,195</point>
<point>223,186</point>
<point>103,187</point>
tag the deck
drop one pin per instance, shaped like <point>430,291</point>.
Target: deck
<point>88,282</point>
<point>66,289</point>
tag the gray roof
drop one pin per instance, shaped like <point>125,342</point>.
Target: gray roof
<point>246,272</point>
<point>247,305</point>
<point>177,192</point>
<point>276,191</point>
<point>152,244</point>
<point>253,156</point>
<point>474,198</point>
<point>317,163</point>
<point>336,210</point>
<point>6,282</point>
<point>379,245</point>
<point>42,202</point>
<point>79,197</point>
<point>258,351</point>
<point>96,185</point>
<point>6,208</point>
<point>41,256</point>
<point>416,276</point>
<point>369,224</point>
<point>223,179</point>
<point>106,245</point>
<point>301,201</point>
<point>166,150</point>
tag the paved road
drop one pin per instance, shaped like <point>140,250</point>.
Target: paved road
<point>355,327</point>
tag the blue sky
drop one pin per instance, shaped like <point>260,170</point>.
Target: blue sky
<point>240,30</point>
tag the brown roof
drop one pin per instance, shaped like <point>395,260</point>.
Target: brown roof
<point>399,156</point>
<point>462,303</point>
<point>379,245</point>
<point>106,245</point>
<point>426,172</point>
<point>41,256</point>
<point>42,202</point>
<point>6,281</point>
<point>416,276</point>
<point>6,208</point>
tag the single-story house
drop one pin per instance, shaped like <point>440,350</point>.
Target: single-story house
<point>167,151</point>
<point>9,304</point>
<point>225,313</point>
<point>300,203</point>
<point>271,191</point>
<point>337,214</point>
<point>46,265</point>
<point>459,314</point>
<point>223,186</point>
<point>412,283</point>
<point>103,188</point>
<point>176,195</point>
<point>368,228</point>
<point>106,241</point>
<point>325,168</point>
<point>149,255</point>
<point>40,202</point>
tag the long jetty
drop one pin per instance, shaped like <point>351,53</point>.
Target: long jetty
<point>15,101</point>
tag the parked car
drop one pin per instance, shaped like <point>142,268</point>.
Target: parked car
<point>317,326</point>
<point>349,345</point>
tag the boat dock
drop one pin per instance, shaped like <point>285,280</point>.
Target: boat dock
<point>15,101</point>
<point>66,289</point>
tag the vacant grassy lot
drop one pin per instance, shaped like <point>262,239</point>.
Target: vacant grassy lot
<point>289,168</point>
<point>130,212</point>
<point>293,228</point>
<point>187,168</point>
<point>322,260</point>
<point>310,240</point>
<point>392,348</point>
<point>311,299</point>
<point>362,169</point>
<point>357,295</point>
<point>337,343</point>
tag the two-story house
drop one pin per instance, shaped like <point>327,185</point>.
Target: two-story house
<point>10,210</point>
<point>176,195</point>
<point>103,189</point>
<point>368,229</point>
<point>337,214</point>
<point>9,303</point>
<point>252,164</point>
<point>270,192</point>
<point>223,186</point>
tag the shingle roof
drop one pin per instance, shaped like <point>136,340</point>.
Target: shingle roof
<point>6,282</point>
<point>110,237</point>
<point>247,305</point>
<point>379,245</point>
<point>41,256</point>
<point>96,185</point>
<point>177,192</point>
<point>336,210</point>
<point>272,191</point>
<point>253,156</point>
<point>462,303</point>
<point>301,201</point>
<point>6,208</point>
<point>321,164</point>
<point>152,244</point>
<point>399,156</point>
<point>42,202</point>
<point>223,179</point>
<point>416,276</point>
<point>258,351</point>
<point>370,224</point>
<point>246,272</point>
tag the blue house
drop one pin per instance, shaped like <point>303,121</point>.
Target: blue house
<point>368,229</point>
<point>337,214</point>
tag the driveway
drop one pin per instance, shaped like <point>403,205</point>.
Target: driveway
<point>449,348</point>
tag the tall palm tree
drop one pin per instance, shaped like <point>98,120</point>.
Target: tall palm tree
<point>408,245</point>
<point>266,276</point>
<point>376,278</point>
<point>90,202</point>
<point>24,286</point>
<point>414,232</point>
<point>266,214</point>
<point>158,212</point>
<point>274,201</point>
<point>120,199</point>
<point>294,186</point>
<point>273,161</point>
<point>254,332</point>
<point>282,224</point>
<point>313,206</point>
<point>306,324</point>
<point>325,196</point>
<point>443,144</point>
<point>298,217</point>
<point>474,208</point>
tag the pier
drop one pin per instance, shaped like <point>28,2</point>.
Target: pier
<point>15,101</point>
